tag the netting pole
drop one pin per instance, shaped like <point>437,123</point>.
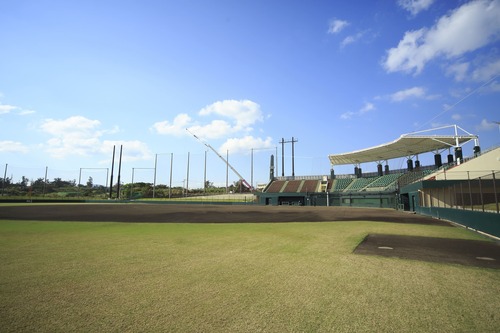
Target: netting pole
<point>187,176</point>
<point>227,171</point>
<point>170,185</point>
<point>154,178</point>
<point>45,180</point>
<point>119,172</point>
<point>205,175</point>
<point>79,181</point>
<point>4,178</point>
<point>111,180</point>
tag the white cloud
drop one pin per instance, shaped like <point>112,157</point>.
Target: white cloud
<point>458,70</point>
<point>7,108</point>
<point>69,125</point>
<point>26,112</point>
<point>177,127</point>
<point>494,86</point>
<point>221,120</point>
<point>245,144</point>
<point>215,129</point>
<point>81,136</point>
<point>415,6</point>
<point>415,92</point>
<point>486,125</point>
<point>12,147</point>
<point>347,115</point>
<point>407,56</point>
<point>238,117</point>
<point>244,113</point>
<point>337,26</point>
<point>487,71</point>
<point>132,150</point>
<point>468,28</point>
<point>352,39</point>
<point>367,107</point>
<point>456,117</point>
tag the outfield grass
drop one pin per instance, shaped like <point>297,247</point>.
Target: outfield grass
<point>295,277</point>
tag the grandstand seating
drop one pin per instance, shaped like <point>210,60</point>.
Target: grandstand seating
<point>341,184</point>
<point>309,186</point>
<point>372,184</point>
<point>292,186</point>
<point>276,186</point>
<point>359,183</point>
<point>384,181</point>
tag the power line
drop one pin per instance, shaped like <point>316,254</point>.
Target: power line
<point>460,100</point>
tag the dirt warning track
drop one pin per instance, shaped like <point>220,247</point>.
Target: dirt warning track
<point>192,213</point>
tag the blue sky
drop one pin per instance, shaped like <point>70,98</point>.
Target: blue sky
<point>79,77</point>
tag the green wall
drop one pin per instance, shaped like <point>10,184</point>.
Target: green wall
<point>482,221</point>
<point>378,200</point>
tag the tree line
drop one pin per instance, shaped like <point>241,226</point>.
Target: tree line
<point>59,189</point>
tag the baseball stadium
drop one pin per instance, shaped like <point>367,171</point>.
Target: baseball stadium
<point>379,250</point>
<point>461,189</point>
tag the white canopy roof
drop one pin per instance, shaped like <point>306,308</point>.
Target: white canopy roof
<point>405,146</point>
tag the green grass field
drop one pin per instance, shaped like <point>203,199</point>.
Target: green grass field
<point>294,277</point>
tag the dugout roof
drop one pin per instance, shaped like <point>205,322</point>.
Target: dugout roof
<point>407,145</point>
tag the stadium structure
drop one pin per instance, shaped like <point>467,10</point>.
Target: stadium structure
<point>462,189</point>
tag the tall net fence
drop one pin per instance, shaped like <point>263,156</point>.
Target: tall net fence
<point>462,191</point>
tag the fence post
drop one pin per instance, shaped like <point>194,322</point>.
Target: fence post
<point>451,197</point>
<point>481,193</point>
<point>495,189</point>
<point>470,192</point>
<point>462,195</point>
<point>444,197</point>
<point>455,201</point>
<point>431,198</point>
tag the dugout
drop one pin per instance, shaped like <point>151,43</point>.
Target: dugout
<point>283,199</point>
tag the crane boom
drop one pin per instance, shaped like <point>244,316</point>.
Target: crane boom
<point>223,159</point>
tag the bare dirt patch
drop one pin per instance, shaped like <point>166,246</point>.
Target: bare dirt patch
<point>441,250</point>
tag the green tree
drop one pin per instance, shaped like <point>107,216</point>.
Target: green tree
<point>24,182</point>
<point>90,182</point>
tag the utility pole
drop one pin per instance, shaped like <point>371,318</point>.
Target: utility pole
<point>282,157</point>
